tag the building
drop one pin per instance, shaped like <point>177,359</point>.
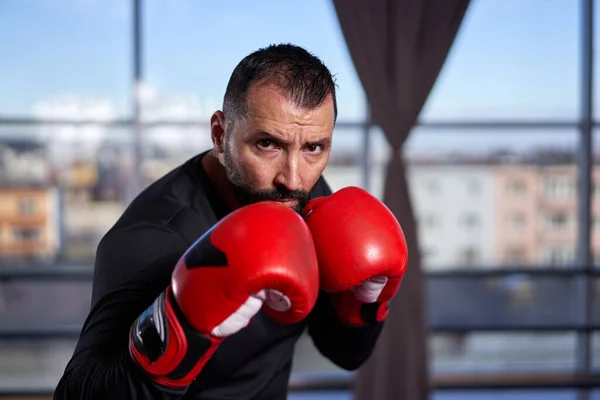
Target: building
<point>30,223</point>
<point>454,206</point>
<point>536,214</point>
<point>516,215</point>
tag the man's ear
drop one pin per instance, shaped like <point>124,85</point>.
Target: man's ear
<point>217,131</point>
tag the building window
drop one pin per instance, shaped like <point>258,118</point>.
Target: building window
<point>26,206</point>
<point>558,187</point>
<point>433,187</point>
<point>427,255</point>
<point>516,187</point>
<point>516,222</point>
<point>515,256</point>
<point>596,222</point>
<point>468,257</point>
<point>430,221</point>
<point>26,234</point>
<point>470,221</point>
<point>558,256</point>
<point>474,187</point>
<point>557,221</point>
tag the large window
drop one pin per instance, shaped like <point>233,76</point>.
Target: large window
<point>494,168</point>
<point>512,60</point>
<point>65,60</point>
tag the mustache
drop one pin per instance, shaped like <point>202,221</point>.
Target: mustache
<point>281,194</point>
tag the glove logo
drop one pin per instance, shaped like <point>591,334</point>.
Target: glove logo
<point>204,254</point>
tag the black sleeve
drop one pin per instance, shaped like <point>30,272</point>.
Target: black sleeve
<point>346,346</point>
<point>133,266</point>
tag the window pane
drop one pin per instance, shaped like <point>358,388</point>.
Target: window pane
<point>511,59</point>
<point>553,394</point>
<point>595,192</point>
<point>187,70</point>
<point>345,163</point>
<point>506,353</point>
<point>68,60</point>
<point>513,300</point>
<point>167,146</point>
<point>33,364</point>
<point>63,187</point>
<point>596,301</point>
<point>595,66</point>
<point>324,395</point>
<point>43,305</point>
<point>596,349</point>
<point>489,198</point>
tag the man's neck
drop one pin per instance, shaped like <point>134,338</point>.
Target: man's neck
<point>218,176</point>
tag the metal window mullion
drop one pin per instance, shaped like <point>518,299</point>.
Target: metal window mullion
<point>137,133</point>
<point>366,150</point>
<point>585,161</point>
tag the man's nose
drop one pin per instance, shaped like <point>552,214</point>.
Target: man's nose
<point>289,173</point>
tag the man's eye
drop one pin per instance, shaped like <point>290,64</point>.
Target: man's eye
<point>265,143</point>
<point>313,148</point>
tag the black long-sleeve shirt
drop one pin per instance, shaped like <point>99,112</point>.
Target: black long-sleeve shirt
<point>133,266</point>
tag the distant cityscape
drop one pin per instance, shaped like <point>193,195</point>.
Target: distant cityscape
<point>473,211</point>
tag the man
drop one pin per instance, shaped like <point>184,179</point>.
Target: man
<point>206,282</point>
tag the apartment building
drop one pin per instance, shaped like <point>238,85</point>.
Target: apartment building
<point>29,222</point>
<point>537,213</point>
<point>454,206</point>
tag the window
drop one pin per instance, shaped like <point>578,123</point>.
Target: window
<point>179,35</point>
<point>516,222</point>
<point>527,62</point>
<point>558,255</point>
<point>516,187</point>
<point>507,222</point>
<point>62,88</point>
<point>469,257</point>
<point>559,187</point>
<point>557,221</point>
<point>26,234</point>
<point>470,221</point>
<point>428,255</point>
<point>474,187</point>
<point>27,206</point>
<point>495,199</point>
<point>431,221</point>
<point>515,256</point>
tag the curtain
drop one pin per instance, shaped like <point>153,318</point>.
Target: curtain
<point>398,48</point>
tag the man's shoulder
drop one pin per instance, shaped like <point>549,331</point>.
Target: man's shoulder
<point>143,233</point>
<point>177,202</point>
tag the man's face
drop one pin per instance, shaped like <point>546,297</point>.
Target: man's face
<point>279,150</point>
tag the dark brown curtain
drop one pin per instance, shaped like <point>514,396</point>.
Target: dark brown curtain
<point>398,48</point>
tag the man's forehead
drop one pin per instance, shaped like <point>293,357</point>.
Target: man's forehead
<point>270,102</point>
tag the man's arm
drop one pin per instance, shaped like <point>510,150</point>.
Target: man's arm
<point>347,346</point>
<point>133,266</point>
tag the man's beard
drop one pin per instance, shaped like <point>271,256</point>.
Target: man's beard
<point>244,195</point>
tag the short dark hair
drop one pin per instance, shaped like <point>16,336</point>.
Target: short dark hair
<point>299,73</point>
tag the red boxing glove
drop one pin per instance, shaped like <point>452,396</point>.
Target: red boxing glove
<point>261,255</point>
<point>362,253</point>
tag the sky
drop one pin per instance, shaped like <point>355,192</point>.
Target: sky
<point>512,59</point>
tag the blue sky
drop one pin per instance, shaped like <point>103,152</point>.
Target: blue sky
<point>512,58</point>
